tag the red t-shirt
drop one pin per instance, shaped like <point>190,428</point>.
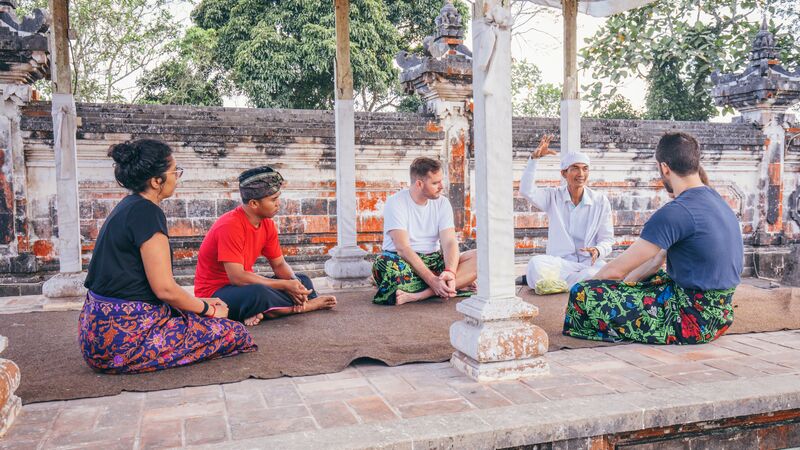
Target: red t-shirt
<point>234,239</point>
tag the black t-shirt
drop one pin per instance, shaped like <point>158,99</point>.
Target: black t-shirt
<point>116,269</point>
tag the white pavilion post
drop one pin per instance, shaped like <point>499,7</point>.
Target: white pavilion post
<point>570,103</point>
<point>497,339</point>
<point>347,266</point>
<point>69,281</point>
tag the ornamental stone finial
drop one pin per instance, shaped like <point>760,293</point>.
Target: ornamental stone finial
<point>24,47</point>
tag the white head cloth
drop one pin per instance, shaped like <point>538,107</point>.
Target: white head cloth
<point>574,158</point>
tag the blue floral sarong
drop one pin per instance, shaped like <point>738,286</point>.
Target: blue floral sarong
<point>123,336</point>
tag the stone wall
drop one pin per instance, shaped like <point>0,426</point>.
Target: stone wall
<point>215,144</point>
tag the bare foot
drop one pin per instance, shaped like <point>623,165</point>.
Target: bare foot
<point>403,297</point>
<point>473,286</point>
<point>253,321</point>
<point>321,302</point>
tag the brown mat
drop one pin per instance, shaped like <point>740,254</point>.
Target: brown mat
<point>43,344</point>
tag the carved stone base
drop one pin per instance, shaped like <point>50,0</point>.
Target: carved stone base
<point>499,371</point>
<point>65,285</point>
<point>347,264</point>
<point>10,404</point>
<point>497,340</point>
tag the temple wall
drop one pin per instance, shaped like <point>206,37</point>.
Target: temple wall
<point>215,144</point>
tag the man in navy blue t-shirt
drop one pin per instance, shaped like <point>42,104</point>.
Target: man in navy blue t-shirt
<point>690,303</point>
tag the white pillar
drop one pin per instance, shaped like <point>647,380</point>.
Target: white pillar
<point>69,282</point>
<point>497,339</point>
<point>570,103</point>
<point>347,266</point>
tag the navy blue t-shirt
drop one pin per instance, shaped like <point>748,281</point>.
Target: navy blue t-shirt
<point>702,237</point>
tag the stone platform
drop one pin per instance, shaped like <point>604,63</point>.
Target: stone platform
<point>589,392</point>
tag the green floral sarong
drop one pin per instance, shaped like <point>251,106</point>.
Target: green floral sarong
<point>391,272</point>
<point>653,311</point>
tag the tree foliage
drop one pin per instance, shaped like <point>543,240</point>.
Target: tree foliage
<point>530,97</point>
<point>114,41</point>
<point>675,46</point>
<point>189,77</point>
<point>618,107</point>
<point>280,54</point>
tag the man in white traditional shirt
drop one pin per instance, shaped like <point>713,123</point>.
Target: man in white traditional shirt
<point>580,232</point>
<point>420,257</point>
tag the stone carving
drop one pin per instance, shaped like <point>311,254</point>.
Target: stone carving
<point>444,70</point>
<point>764,84</point>
<point>10,404</point>
<point>24,47</point>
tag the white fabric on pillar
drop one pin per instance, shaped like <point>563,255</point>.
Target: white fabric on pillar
<point>66,160</point>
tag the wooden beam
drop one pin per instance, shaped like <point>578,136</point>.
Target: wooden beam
<point>344,72</point>
<point>60,69</point>
<point>570,9</point>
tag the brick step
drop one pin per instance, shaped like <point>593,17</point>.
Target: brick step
<point>18,289</point>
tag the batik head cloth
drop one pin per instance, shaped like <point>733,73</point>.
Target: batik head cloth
<point>260,182</point>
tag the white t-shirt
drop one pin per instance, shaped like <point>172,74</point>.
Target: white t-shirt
<point>422,222</point>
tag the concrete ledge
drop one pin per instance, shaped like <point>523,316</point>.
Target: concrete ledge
<point>554,421</point>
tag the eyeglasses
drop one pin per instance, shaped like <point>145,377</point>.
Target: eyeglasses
<point>178,171</point>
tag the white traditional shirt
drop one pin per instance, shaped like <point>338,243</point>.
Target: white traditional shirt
<point>571,227</point>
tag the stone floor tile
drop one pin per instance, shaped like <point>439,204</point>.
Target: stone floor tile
<point>704,353</point>
<point>789,359</point>
<point>431,408</point>
<point>372,409</point>
<point>39,413</point>
<point>183,411</point>
<point>276,396</point>
<point>241,401</point>
<point>206,430</point>
<point>7,443</point>
<point>203,394</point>
<point>447,373</point>
<point>646,379</point>
<point>340,394</point>
<point>22,430</point>
<point>517,392</point>
<point>481,396</point>
<point>313,388</point>
<point>766,347</point>
<point>628,354</point>
<point>741,367</point>
<point>310,379</point>
<point>126,409</point>
<point>678,369</point>
<point>600,366</point>
<point>332,414</point>
<point>730,343</point>
<point>421,396</point>
<point>550,381</point>
<point>160,434</point>
<point>390,384</point>
<point>111,444</point>
<point>578,390</point>
<point>160,399</point>
<point>271,427</point>
<point>82,438</point>
<point>618,382</point>
<point>72,419</point>
<point>710,375</point>
<point>658,354</point>
<point>425,381</point>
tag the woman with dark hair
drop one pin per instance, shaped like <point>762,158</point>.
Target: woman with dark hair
<point>136,318</point>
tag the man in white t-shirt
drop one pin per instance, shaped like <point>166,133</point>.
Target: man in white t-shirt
<point>420,257</point>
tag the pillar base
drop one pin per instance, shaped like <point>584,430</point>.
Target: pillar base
<point>65,285</point>
<point>497,340</point>
<point>10,404</point>
<point>500,371</point>
<point>347,265</point>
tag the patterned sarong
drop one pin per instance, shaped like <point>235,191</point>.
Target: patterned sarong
<point>391,272</point>
<point>655,311</point>
<point>122,336</point>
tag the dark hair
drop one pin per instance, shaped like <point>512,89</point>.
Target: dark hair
<point>680,151</point>
<point>422,166</point>
<point>135,162</point>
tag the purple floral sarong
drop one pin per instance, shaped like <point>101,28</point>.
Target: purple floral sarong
<point>123,336</point>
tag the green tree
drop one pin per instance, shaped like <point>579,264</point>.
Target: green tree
<point>530,97</point>
<point>618,107</point>
<point>280,54</point>
<point>114,41</point>
<point>189,77</point>
<point>675,45</point>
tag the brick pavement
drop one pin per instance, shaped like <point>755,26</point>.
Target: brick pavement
<point>371,393</point>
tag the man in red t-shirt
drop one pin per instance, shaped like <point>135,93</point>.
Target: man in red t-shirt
<point>231,247</point>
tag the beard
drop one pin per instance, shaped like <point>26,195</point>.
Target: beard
<point>665,181</point>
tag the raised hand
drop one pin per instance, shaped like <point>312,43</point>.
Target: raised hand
<point>544,147</point>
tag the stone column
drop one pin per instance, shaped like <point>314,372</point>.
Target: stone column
<point>69,281</point>
<point>570,103</point>
<point>10,404</point>
<point>763,93</point>
<point>497,339</point>
<point>442,77</point>
<point>347,266</point>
